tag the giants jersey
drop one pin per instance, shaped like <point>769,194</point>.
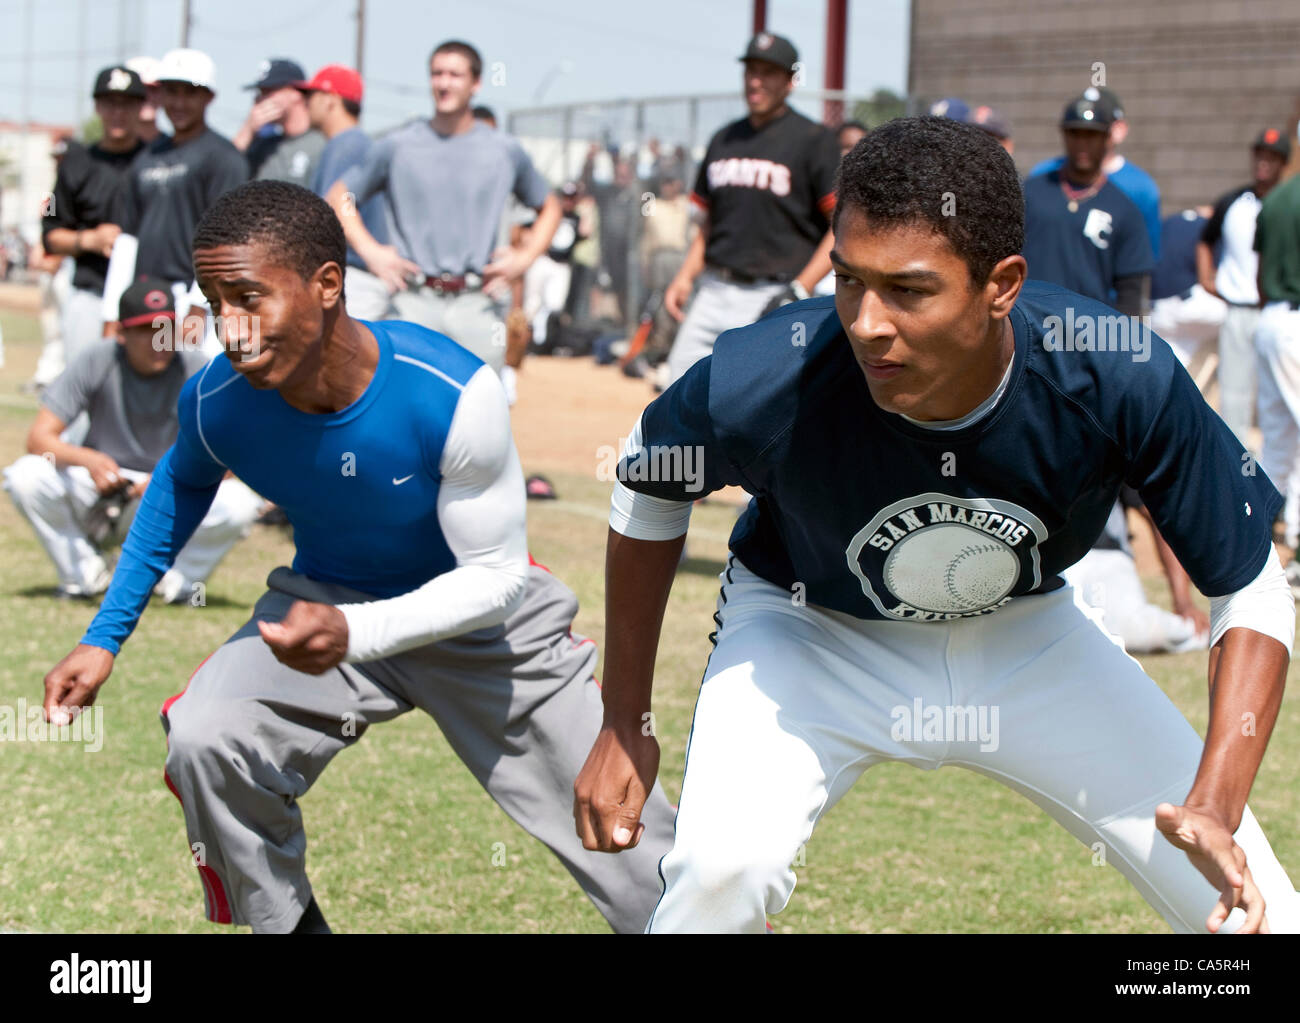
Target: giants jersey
<point>861,511</point>
<point>769,193</point>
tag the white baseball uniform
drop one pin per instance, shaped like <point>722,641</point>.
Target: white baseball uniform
<point>894,593</point>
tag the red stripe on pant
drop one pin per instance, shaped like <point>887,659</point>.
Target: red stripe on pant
<point>216,905</point>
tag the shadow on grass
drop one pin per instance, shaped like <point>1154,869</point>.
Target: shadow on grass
<point>47,593</point>
<point>702,566</point>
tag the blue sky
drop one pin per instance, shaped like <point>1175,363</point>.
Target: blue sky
<point>610,49</point>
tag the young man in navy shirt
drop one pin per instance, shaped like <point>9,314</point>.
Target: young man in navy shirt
<point>1127,176</point>
<point>925,460</point>
<point>1081,231</point>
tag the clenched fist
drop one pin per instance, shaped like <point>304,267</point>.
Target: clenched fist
<point>311,637</point>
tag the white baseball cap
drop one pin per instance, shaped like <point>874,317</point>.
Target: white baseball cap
<point>192,66</point>
<point>146,68</point>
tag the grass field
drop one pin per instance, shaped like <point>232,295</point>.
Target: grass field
<point>401,838</point>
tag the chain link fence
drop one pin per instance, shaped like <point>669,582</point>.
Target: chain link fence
<point>625,156</point>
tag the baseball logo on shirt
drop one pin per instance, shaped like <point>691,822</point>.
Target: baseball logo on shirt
<point>1099,222</point>
<point>933,557</point>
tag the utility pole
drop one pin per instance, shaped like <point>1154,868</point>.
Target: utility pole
<point>361,37</point>
<point>837,25</point>
<point>187,20</point>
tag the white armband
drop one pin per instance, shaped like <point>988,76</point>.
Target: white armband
<point>641,516</point>
<point>1265,605</point>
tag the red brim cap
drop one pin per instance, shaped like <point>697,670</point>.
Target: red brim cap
<point>146,319</point>
<point>337,79</point>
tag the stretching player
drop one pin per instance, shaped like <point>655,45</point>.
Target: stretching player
<point>78,495</point>
<point>411,585</point>
<point>926,460</point>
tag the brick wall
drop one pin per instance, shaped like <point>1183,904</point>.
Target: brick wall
<point>1199,80</point>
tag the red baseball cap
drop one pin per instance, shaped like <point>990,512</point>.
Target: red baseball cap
<point>337,79</point>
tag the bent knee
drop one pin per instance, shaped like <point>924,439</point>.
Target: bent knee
<point>731,870</point>
<point>29,476</point>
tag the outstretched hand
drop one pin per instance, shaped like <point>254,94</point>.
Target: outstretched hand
<point>74,682</point>
<point>1213,851</point>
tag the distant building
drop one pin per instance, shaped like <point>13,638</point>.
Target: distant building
<point>27,173</point>
<point>1199,79</point>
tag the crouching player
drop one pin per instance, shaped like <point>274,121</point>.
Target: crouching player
<point>81,497</point>
<point>926,459</point>
<point>388,446</point>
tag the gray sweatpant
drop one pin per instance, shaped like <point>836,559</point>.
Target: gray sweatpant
<point>718,306</point>
<point>517,702</point>
<point>473,319</point>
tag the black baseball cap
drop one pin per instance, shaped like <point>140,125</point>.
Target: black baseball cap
<point>147,298</point>
<point>1089,114</point>
<point>992,121</point>
<point>1099,93</point>
<point>278,72</point>
<point>1275,142</point>
<point>773,49</point>
<point>118,81</point>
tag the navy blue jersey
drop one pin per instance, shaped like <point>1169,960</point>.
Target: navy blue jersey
<point>1175,273</point>
<point>1088,249</point>
<point>1134,182</point>
<point>882,519</point>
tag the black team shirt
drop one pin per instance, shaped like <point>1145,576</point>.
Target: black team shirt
<point>167,189</point>
<point>84,192</point>
<point>769,193</point>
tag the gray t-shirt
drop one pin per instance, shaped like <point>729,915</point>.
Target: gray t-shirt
<point>132,417</point>
<point>293,159</point>
<point>447,194</point>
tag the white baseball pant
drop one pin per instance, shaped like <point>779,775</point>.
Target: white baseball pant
<point>1278,342</point>
<point>546,287</point>
<point>798,701</point>
<point>83,323</point>
<point>1237,370</point>
<point>57,502</point>
<point>1190,325</point>
<point>1109,582</point>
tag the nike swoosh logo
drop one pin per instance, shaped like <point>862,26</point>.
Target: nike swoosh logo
<point>398,483</point>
